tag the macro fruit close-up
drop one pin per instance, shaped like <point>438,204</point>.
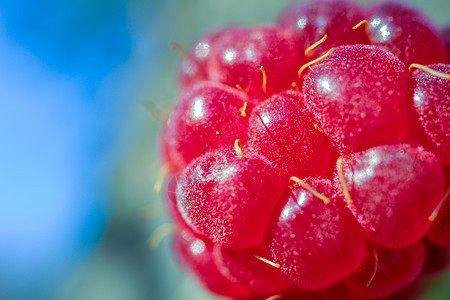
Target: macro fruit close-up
<point>309,158</point>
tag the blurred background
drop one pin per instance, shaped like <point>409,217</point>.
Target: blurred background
<point>79,80</point>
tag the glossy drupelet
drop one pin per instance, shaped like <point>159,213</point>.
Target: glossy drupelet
<point>406,32</point>
<point>238,58</point>
<point>229,199</point>
<point>316,244</point>
<point>308,22</point>
<point>394,190</point>
<point>360,95</point>
<point>282,130</point>
<point>207,117</point>
<point>432,105</point>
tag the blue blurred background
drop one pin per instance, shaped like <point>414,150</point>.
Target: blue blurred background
<point>78,147</point>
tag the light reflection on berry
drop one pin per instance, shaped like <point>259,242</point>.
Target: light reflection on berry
<point>325,84</point>
<point>385,32</point>
<point>301,23</point>
<point>202,50</point>
<point>197,247</point>
<point>198,108</point>
<point>229,55</point>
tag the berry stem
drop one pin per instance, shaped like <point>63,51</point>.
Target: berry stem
<point>375,268</point>
<point>264,83</point>
<point>183,52</point>
<point>308,50</point>
<point>342,179</point>
<point>363,22</point>
<point>159,234</point>
<point>313,62</point>
<point>429,70</point>
<point>242,89</point>
<point>238,149</point>
<point>243,110</point>
<point>265,260</point>
<point>317,127</point>
<point>433,216</point>
<point>306,186</point>
<point>162,174</point>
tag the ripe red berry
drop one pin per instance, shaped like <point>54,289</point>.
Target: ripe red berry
<point>266,220</point>
<point>229,199</point>
<point>432,104</point>
<point>315,244</point>
<point>282,129</point>
<point>406,32</point>
<point>238,58</point>
<point>393,191</point>
<point>360,95</point>
<point>309,22</point>
<point>206,118</point>
<point>196,255</point>
<point>385,271</point>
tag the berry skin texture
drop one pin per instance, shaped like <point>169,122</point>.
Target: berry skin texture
<point>237,60</point>
<point>196,255</point>
<point>171,202</point>
<point>406,32</point>
<point>394,190</point>
<point>432,104</point>
<point>282,129</point>
<point>309,22</point>
<point>395,268</point>
<point>229,199</point>
<point>360,95</point>
<point>206,117</point>
<point>193,65</point>
<point>316,244</point>
<point>241,266</point>
<point>439,232</point>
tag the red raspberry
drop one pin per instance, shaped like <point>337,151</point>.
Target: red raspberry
<point>308,166</point>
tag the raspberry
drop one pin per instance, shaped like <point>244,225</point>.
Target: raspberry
<point>309,159</point>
